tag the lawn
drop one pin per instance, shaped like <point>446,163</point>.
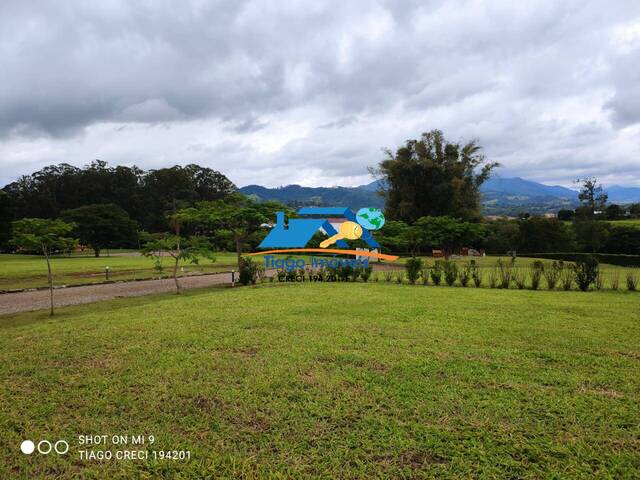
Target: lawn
<point>331,381</point>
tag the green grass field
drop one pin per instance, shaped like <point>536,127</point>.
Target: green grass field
<point>331,381</point>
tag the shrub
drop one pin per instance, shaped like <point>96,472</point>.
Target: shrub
<point>599,282</point>
<point>537,269</point>
<point>465,274</point>
<point>552,274</point>
<point>493,277</point>
<point>375,277</point>
<point>505,272</point>
<point>520,278</point>
<point>585,272</point>
<point>425,276</point>
<point>250,271</point>
<point>476,274</point>
<point>399,277</point>
<point>413,267</point>
<point>632,282</point>
<point>388,276</point>
<point>450,272</point>
<point>436,272</point>
<point>615,280</point>
<point>365,273</point>
<point>566,279</point>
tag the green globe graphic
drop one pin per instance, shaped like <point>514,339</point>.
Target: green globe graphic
<point>370,218</point>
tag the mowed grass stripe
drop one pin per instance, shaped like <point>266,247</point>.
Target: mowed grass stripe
<point>333,381</point>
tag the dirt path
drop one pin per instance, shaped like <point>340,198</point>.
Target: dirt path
<point>36,300</point>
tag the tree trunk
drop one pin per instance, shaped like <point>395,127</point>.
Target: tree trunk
<point>49,279</point>
<point>96,251</point>
<point>175,276</point>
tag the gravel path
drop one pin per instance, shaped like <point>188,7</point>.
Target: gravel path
<point>36,300</point>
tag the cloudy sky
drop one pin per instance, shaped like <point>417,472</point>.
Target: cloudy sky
<point>280,92</point>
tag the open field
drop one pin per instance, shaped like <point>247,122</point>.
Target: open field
<point>627,223</point>
<point>331,381</point>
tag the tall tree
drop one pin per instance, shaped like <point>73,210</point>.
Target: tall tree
<point>449,233</point>
<point>45,236</point>
<point>592,197</point>
<point>432,177</point>
<point>102,226</point>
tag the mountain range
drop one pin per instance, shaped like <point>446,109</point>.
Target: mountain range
<point>500,196</point>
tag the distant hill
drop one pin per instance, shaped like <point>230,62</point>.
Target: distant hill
<point>500,196</point>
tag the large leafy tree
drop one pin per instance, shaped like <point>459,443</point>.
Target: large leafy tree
<point>45,236</point>
<point>449,233</point>
<point>102,226</point>
<point>237,215</point>
<point>432,177</point>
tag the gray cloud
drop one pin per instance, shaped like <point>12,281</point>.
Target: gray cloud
<point>309,92</point>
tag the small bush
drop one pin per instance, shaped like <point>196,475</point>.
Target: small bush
<point>632,282</point>
<point>599,282</point>
<point>250,271</point>
<point>450,272</point>
<point>399,277</point>
<point>365,273</point>
<point>615,280</point>
<point>375,277</point>
<point>424,276</point>
<point>465,274</point>
<point>537,269</point>
<point>585,272</point>
<point>476,274</point>
<point>413,267</point>
<point>520,278</point>
<point>437,272</point>
<point>553,273</point>
<point>505,272</point>
<point>566,279</point>
<point>493,277</point>
<point>388,276</point>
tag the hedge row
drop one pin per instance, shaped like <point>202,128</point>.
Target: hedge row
<point>610,258</point>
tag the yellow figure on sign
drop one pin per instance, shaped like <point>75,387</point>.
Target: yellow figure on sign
<point>348,231</point>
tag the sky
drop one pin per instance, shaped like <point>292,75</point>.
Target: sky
<point>282,92</point>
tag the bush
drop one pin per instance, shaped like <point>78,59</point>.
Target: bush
<point>505,272</point>
<point>465,274</point>
<point>365,273</point>
<point>615,280</point>
<point>399,277</point>
<point>632,282</point>
<point>249,271</point>
<point>425,276</point>
<point>585,272</point>
<point>476,274</point>
<point>520,278</point>
<point>493,277</point>
<point>450,272</point>
<point>388,276</point>
<point>413,267</point>
<point>567,279</point>
<point>537,269</point>
<point>436,272</point>
<point>599,283</point>
<point>552,274</point>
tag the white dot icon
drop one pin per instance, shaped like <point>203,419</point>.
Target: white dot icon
<point>27,447</point>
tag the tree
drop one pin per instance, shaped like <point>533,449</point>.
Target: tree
<point>241,216</point>
<point>566,215</point>
<point>502,235</point>
<point>102,226</point>
<point>433,177</point>
<point>592,196</point>
<point>46,236</point>
<point>591,234</point>
<point>449,233</point>
<point>634,210</point>
<point>615,212</point>
<point>540,235</point>
<point>5,220</point>
<point>180,250</point>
